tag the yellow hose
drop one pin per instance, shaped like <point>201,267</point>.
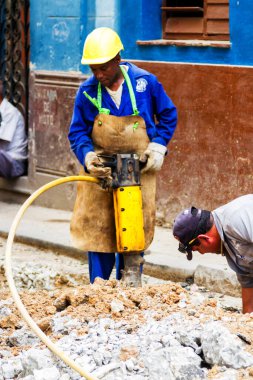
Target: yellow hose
<point>9,275</point>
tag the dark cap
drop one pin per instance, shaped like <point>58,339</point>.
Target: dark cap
<point>188,225</point>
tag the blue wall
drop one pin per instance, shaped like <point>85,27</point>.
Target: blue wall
<point>55,34</point>
<point>58,30</point>
<point>148,26</point>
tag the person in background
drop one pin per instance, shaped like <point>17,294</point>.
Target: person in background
<point>228,231</point>
<point>13,140</point>
<point>121,108</point>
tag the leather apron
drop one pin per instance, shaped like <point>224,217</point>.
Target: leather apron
<point>92,224</point>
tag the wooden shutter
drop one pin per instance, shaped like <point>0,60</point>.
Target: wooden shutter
<point>217,19</point>
<point>183,19</point>
<point>208,19</point>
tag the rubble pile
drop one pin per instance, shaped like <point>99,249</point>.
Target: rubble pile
<point>161,331</point>
<point>155,332</point>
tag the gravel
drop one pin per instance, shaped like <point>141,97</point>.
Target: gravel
<point>160,331</point>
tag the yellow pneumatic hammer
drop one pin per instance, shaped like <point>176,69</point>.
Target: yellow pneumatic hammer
<point>129,222</point>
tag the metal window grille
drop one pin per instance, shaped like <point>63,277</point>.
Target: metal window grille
<point>14,51</point>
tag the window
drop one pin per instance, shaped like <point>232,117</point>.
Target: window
<point>195,19</point>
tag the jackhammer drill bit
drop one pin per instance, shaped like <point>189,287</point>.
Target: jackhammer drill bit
<point>131,274</point>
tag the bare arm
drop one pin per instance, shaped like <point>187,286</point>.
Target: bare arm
<point>247,300</point>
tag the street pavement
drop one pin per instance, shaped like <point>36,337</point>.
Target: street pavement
<point>49,228</point>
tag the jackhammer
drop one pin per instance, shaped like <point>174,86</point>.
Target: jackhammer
<point>129,222</point>
<point>129,234</point>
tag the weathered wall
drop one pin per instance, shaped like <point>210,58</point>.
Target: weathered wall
<point>59,28</point>
<point>52,98</point>
<point>211,155</point>
<point>145,24</point>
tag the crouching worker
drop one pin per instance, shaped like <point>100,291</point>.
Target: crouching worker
<point>13,140</point>
<point>228,230</point>
<point>114,112</point>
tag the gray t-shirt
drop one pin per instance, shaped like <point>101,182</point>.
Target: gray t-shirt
<point>234,222</point>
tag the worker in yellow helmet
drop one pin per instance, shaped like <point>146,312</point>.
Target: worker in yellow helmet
<point>115,112</point>
<point>101,46</point>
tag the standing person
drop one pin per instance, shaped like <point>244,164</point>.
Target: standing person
<point>228,230</point>
<point>114,112</point>
<point>13,140</point>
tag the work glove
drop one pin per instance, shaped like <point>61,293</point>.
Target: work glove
<point>95,166</point>
<point>153,156</point>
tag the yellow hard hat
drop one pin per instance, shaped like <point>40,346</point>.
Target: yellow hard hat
<point>100,46</point>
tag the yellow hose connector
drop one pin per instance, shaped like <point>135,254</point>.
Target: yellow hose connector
<point>9,274</point>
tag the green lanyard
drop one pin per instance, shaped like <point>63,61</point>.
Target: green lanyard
<point>98,102</point>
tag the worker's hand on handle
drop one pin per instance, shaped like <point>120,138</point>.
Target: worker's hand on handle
<point>95,166</point>
<point>153,156</point>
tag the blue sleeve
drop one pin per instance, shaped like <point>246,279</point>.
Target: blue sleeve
<point>165,112</point>
<point>81,127</point>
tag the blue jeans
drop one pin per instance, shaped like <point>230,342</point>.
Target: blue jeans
<point>101,265</point>
<point>10,168</point>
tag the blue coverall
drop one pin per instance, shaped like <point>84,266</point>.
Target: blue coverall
<point>152,102</point>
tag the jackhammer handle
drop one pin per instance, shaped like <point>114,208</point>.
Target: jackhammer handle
<point>142,164</point>
<point>112,163</point>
